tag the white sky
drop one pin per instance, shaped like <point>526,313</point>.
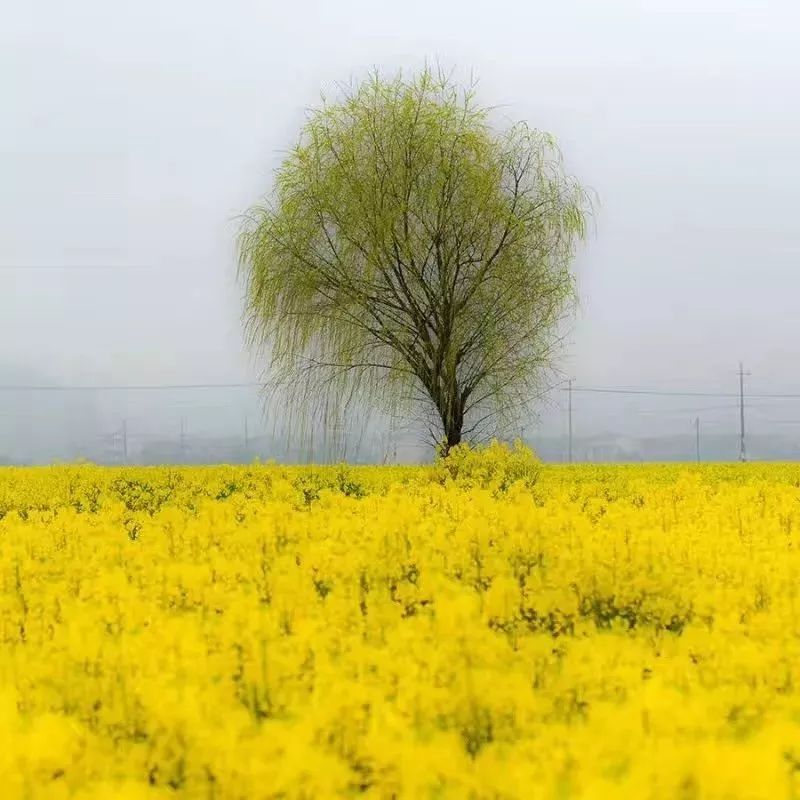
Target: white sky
<point>133,134</point>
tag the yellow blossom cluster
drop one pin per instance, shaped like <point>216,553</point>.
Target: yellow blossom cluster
<point>483,628</point>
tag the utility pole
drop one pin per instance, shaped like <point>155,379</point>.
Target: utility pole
<point>246,436</point>
<point>183,439</point>
<point>742,452</point>
<point>569,408</point>
<point>124,441</point>
<point>697,437</point>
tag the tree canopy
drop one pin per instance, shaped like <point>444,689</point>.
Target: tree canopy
<point>412,258</point>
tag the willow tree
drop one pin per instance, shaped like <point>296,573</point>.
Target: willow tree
<point>413,258</point>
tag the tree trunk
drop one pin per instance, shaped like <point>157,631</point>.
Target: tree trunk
<point>451,439</point>
<point>452,418</point>
<point>445,394</point>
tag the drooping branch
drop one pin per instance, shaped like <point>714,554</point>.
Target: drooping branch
<point>411,257</point>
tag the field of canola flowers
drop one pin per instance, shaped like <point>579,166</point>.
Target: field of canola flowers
<point>486,629</point>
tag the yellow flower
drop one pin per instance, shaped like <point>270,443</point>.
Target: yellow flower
<point>488,627</point>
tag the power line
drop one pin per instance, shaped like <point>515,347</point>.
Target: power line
<point>667,393</point>
<point>649,392</point>
<point>664,412</point>
<point>152,387</point>
<point>74,267</point>
<point>194,386</point>
<point>147,387</point>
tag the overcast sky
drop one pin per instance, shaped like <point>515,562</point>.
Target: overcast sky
<point>133,134</point>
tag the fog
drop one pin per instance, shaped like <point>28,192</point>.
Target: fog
<point>134,134</point>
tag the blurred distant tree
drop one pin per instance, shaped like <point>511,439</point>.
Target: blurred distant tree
<point>413,259</point>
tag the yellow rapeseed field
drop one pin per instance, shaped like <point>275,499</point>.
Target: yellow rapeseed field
<point>481,629</point>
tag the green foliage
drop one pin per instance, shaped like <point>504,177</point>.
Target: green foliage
<point>412,259</point>
<point>309,485</point>
<point>347,484</point>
